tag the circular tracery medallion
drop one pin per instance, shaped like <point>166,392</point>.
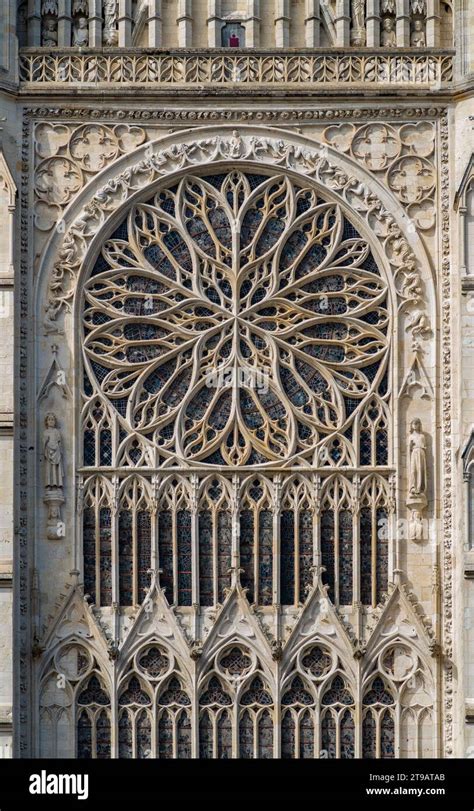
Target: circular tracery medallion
<point>236,319</point>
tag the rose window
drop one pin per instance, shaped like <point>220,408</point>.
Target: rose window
<point>236,319</point>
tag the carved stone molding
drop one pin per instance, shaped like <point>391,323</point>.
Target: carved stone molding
<point>298,155</point>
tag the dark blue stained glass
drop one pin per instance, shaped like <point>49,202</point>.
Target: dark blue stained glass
<point>224,736</point>
<point>247,553</point>
<point>327,549</point>
<point>143,733</point>
<point>265,558</point>
<point>93,693</point>
<point>105,447</point>
<point>369,737</point>
<point>215,695</point>
<point>345,557</point>
<point>165,736</point>
<point>347,735</point>
<point>365,542</point>
<point>206,743</point>
<point>125,549</point>
<point>305,552</point>
<point>317,662</point>
<point>265,736</point>
<point>105,565</point>
<point>183,735</point>
<point>84,736</point>
<point>125,736</point>
<point>246,736</point>
<point>102,736</point>
<point>257,694</point>
<point>288,736</point>
<point>337,693</point>
<point>382,554</point>
<point>183,533</point>
<point>206,589</point>
<point>387,736</point>
<point>378,694</point>
<point>365,447</point>
<point>306,735</point>
<point>328,735</point>
<point>165,551</point>
<point>134,694</point>
<point>174,694</point>
<point>143,553</point>
<point>224,552</point>
<point>89,552</point>
<point>381,447</point>
<point>287,553</point>
<point>297,694</point>
<point>89,448</point>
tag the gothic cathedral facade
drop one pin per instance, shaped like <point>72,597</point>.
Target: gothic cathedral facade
<point>237,402</point>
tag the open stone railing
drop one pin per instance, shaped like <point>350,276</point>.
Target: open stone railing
<point>114,66</point>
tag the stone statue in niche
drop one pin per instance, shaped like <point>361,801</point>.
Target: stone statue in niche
<point>418,38</point>
<point>110,33</point>
<point>417,449</point>
<point>49,34</point>
<point>358,23</point>
<point>53,454</point>
<point>417,481</point>
<point>80,32</point>
<point>389,37</point>
<point>54,476</point>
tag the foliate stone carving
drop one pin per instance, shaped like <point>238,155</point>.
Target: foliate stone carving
<point>311,162</point>
<point>68,157</point>
<point>417,480</point>
<point>218,70</point>
<point>402,155</point>
<point>54,474</point>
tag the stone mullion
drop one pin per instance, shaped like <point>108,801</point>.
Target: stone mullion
<point>432,24</point>
<point>184,22</point>
<point>374,550</point>
<point>392,540</point>
<point>256,555</point>
<point>114,542</point>
<point>312,23</point>
<point>135,600</point>
<point>462,239</point>
<point>64,23</point>
<point>155,25</point>
<point>296,546</point>
<point>95,23</point>
<point>34,23</point>
<point>194,510</point>
<point>125,23</point>
<point>316,511</point>
<point>372,24</point>
<point>276,573</point>
<point>252,27</point>
<point>235,522</point>
<point>336,507</point>
<point>174,541</point>
<point>282,23</point>
<point>403,23</point>
<point>342,21</point>
<point>358,710</point>
<point>356,541</point>
<point>97,544</point>
<point>194,711</point>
